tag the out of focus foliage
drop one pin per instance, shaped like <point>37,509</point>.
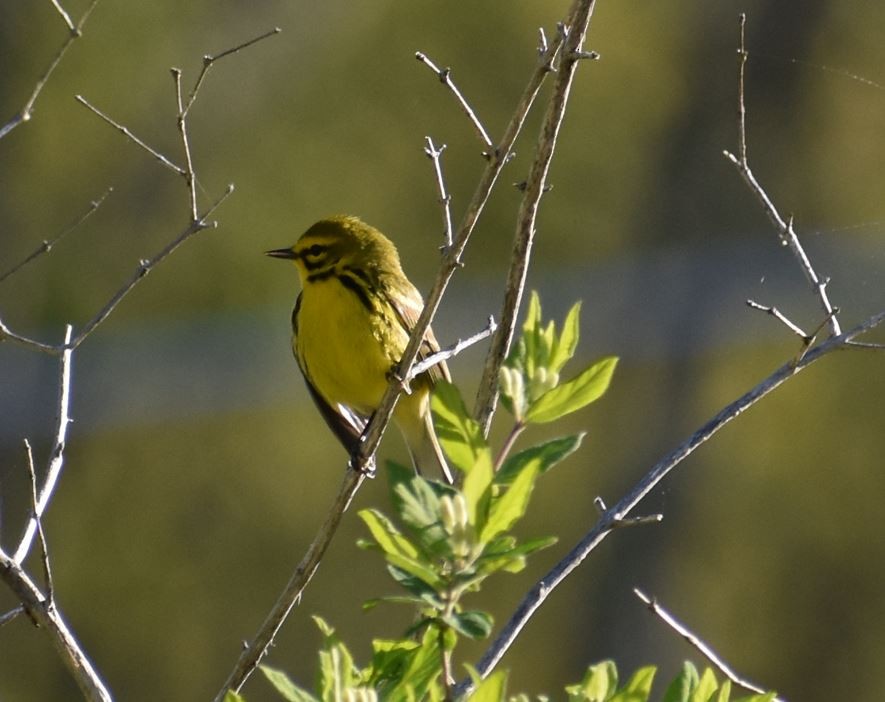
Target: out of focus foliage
<point>197,469</point>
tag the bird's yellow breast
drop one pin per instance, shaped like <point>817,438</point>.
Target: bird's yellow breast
<point>345,350</point>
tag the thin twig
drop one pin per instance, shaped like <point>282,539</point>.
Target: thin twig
<point>693,640</point>
<point>784,227</point>
<point>145,266</point>
<point>487,394</point>
<point>445,199</point>
<point>74,33</point>
<point>7,333</point>
<point>185,143</point>
<point>254,651</point>
<point>65,16</point>
<point>46,615</point>
<point>11,614</point>
<point>57,455</point>
<point>209,60</point>
<point>44,549</point>
<point>129,135</point>
<point>47,244</point>
<point>776,313</point>
<point>444,75</point>
<point>606,523</point>
<point>452,350</point>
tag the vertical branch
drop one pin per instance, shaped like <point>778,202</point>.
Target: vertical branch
<point>44,549</point>
<point>57,457</point>
<point>185,143</point>
<point>575,32</point>
<point>784,227</point>
<point>445,199</point>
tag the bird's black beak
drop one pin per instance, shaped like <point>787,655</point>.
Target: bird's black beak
<point>281,253</point>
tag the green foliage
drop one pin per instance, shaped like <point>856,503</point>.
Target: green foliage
<point>446,540</point>
<point>529,380</point>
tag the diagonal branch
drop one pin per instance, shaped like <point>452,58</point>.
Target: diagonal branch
<point>45,615</point>
<point>610,519</point>
<point>697,643</point>
<point>575,31</point>
<point>74,33</point>
<point>47,244</point>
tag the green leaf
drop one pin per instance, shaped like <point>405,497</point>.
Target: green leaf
<point>706,687</point>
<point>767,697</point>
<point>506,510</point>
<point>512,560</point>
<point>638,688</point>
<point>337,670</point>
<point>231,696</point>
<point>565,346</point>
<point>530,334</point>
<point>492,689</point>
<point>422,668</point>
<point>549,453</point>
<point>389,659</point>
<point>680,689</point>
<point>477,491</point>
<point>420,570</point>
<point>724,692</point>
<point>386,534</point>
<point>459,435</point>
<point>282,684</point>
<point>574,394</point>
<point>418,586</point>
<point>416,501</point>
<point>599,683</point>
<point>473,624</point>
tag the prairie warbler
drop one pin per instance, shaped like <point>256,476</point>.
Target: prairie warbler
<point>350,326</point>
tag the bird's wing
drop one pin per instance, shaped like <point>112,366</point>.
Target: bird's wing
<point>408,308</point>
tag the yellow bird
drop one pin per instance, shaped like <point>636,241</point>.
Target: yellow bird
<point>350,326</point>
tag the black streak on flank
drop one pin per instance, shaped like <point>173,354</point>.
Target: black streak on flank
<point>351,284</point>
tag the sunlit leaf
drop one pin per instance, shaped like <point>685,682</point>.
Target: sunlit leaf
<point>459,435</point>
<point>565,346</point>
<point>283,685</point>
<point>386,534</point>
<point>549,454</point>
<point>680,689</point>
<point>706,687</point>
<point>600,682</point>
<point>492,689</point>
<point>574,394</point>
<point>506,510</point>
<point>473,624</point>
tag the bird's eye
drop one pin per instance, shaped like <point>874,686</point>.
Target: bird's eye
<point>315,250</point>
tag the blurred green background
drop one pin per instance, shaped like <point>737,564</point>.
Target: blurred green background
<point>197,469</point>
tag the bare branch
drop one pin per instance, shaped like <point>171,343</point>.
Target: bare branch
<point>129,135</point>
<point>7,333</point>
<point>11,614</point>
<point>606,524</point>
<point>185,143</point>
<point>65,16</point>
<point>57,456</point>
<point>44,550</point>
<point>45,614</point>
<point>145,267</point>
<point>696,643</point>
<point>444,198</point>
<point>47,244</point>
<point>453,350</point>
<point>73,34</point>
<point>487,394</point>
<point>255,650</point>
<point>209,60</point>
<point>785,229</point>
<point>774,312</point>
<point>445,78</point>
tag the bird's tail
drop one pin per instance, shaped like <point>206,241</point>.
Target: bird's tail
<point>416,424</point>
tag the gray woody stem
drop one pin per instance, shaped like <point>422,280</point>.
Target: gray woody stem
<point>576,28</point>
<point>45,614</point>
<point>616,515</point>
